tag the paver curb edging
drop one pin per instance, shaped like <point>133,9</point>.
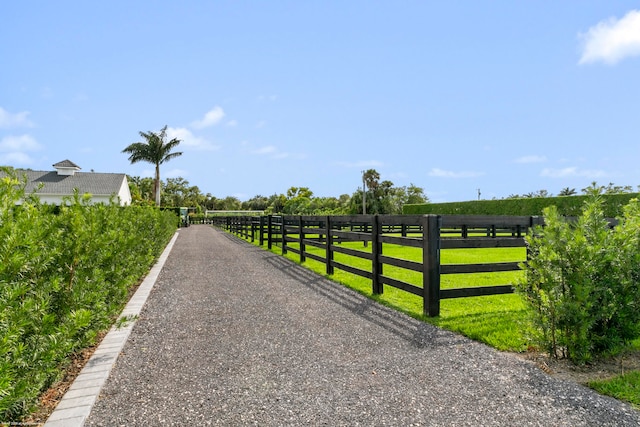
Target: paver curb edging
<point>76,404</point>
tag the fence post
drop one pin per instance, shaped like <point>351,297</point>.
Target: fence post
<point>533,221</point>
<point>536,220</point>
<point>376,251</point>
<point>269,226</point>
<point>261,236</point>
<point>431,264</point>
<point>329,242</point>
<point>301,236</point>
<point>283,233</point>
<point>242,224</point>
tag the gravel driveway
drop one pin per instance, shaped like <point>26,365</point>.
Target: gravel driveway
<point>234,335</point>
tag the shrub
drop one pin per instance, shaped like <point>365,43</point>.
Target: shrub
<point>566,205</point>
<point>65,274</point>
<point>581,282</point>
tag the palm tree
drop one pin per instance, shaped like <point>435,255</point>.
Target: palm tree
<point>154,150</point>
<point>566,191</point>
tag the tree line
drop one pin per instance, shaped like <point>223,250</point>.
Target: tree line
<point>374,197</point>
<point>380,198</point>
<point>591,189</point>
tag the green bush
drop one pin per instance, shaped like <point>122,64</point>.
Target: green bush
<point>65,274</point>
<point>581,281</point>
<point>613,205</point>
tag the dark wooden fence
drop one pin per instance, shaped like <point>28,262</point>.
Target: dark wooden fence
<point>431,233</point>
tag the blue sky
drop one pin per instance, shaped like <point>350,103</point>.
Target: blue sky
<point>503,96</point>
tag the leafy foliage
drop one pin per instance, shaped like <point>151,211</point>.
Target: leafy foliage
<point>155,150</point>
<point>613,205</point>
<point>381,197</point>
<point>581,281</point>
<point>65,274</point>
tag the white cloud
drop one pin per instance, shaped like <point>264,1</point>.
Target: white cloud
<point>189,140</point>
<point>19,143</point>
<point>571,172</point>
<point>14,149</point>
<point>261,124</point>
<point>441,173</point>
<point>211,118</point>
<point>274,153</point>
<point>531,159</point>
<point>361,164</point>
<point>17,159</point>
<point>10,120</point>
<point>612,40</point>
<point>232,123</point>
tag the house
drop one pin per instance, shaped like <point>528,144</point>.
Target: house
<point>52,186</point>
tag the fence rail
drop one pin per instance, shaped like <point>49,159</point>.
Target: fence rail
<point>431,233</point>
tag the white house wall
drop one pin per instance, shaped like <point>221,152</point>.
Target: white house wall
<point>124,194</point>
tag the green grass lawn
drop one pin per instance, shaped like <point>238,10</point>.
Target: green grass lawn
<point>624,387</point>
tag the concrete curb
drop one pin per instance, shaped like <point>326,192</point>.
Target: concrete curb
<point>76,404</point>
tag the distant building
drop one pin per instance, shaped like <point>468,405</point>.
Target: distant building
<point>52,186</point>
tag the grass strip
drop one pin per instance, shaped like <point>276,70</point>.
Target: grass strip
<point>623,387</point>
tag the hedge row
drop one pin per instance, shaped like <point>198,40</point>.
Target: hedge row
<point>568,206</point>
<point>65,275</point>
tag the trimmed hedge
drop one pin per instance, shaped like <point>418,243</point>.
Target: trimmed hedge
<point>567,206</point>
<point>65,275</point>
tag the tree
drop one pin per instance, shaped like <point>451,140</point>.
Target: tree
<point>594,189</point>
<point>229,203</point>
<point>566,191</point>
<point>256,203</point>
<point>178,192</point>
<point>276,203</point>
<point>371,178</point>
<point>298,201</point>
<point>154,150</point>
<point>539,193</point>
<point>141,190</point>
<point>294,192</point>
<point>397,197</point>
<point>382,197</point>
<point>415,195</point>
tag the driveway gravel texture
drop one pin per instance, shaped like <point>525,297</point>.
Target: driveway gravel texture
<point>235,335</point>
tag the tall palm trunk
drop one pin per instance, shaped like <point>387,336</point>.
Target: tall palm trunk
<point>156,185</point>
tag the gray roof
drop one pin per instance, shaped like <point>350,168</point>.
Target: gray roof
<point>66,164</point>
<point>98,184</point>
